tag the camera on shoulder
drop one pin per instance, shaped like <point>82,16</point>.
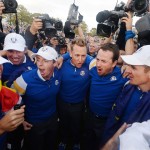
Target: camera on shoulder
<point>10,6</point>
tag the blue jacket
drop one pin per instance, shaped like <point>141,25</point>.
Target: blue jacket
<point>141,113</point>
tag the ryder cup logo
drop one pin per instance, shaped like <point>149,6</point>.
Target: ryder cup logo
<point>113,78</point>
<point>13,40</point>
<point>56,82</point>
<point>44,49</point>
<point>82,73</point>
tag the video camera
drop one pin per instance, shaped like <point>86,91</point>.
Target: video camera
<point>108,20</point>
<point>10,6</point>
<point>143,28</point>
<point>72,21</point>
<point>50,26</point>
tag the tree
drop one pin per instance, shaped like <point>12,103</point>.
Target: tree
<point>24,16</point>
<point>93,31</point>
<point>84,27</point>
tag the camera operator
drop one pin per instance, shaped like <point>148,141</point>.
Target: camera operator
<point>31,34</point>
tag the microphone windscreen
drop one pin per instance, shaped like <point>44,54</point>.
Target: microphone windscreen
<point>102,16</point>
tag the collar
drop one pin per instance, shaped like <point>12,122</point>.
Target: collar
<point>39,74</point>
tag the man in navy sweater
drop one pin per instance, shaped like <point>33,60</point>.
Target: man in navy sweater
<point>133,103</point>
<point>39,88</point>
<point>15,48</point>
<point>13,118</point>
<point>106,84</point>
<point>73,90</point>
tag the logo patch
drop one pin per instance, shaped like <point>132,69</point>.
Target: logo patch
<point>82,73</point>
<point>29,68</point>
<point>56,82</point>
<point>113,78</point>
<point>44,49</point>
<point>13,40</point>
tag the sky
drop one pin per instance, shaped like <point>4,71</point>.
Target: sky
<point>59,8</point>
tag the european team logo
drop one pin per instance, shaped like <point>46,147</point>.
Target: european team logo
<point>29,68</point>
<point>82,73</point>
<point>56,82</point>
<point>13,40</point>
<point>113,78</point>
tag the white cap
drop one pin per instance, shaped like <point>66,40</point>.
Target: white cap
<point>140,57</point>
<point>14,41</point>
<point>3,60</point>
<point>47,53</point>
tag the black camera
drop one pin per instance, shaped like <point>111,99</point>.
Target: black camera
<point>109,23</point>
<point>50,26</point>
<point>108,20</point>
<point>10,6</point>
<point>139,7</point>
<point>69,31</point>
<point>61,40</point>
<point>143,28</point>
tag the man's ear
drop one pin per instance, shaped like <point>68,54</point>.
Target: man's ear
<point>70,53</point>
<point>115,63</point>
<point>55,63</point>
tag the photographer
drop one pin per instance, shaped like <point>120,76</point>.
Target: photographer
<point>31,35</point>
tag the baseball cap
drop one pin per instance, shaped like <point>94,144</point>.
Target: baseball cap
<point>14,41</point>
<point>140,57</point>
<point>3,60</point>
<point>47,52</point>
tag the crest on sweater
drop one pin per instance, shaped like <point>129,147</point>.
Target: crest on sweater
<point>56,82</point>
<point>82,73</point>
<point>113,78</point>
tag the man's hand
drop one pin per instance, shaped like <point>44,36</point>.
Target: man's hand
<point>36,25</point>
<point>128,21</point>
<point>59,62</point>
<point>27,126</point>
<point>12,120</point>
<point>112,144</point>
<point>30,53</point>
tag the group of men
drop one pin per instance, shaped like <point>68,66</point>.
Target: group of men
<point>41,86</point>
<point>49,93</point>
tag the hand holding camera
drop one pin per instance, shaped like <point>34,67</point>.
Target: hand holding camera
<point>127,21</point>
<point>36,25</point>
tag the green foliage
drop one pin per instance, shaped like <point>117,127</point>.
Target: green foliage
<point>93,32</point>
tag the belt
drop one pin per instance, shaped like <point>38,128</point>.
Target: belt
<point>72,104</point>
